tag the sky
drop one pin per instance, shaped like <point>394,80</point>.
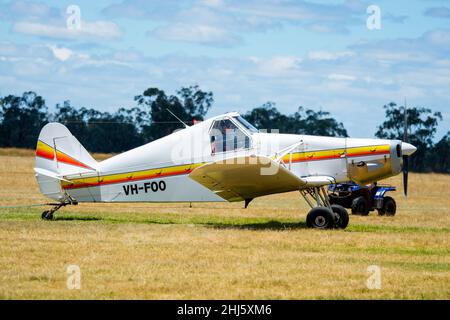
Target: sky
<point>346,57</point>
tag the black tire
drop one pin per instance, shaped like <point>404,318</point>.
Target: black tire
<point>389,207</point>
<point>47,215</point>
<point>360,206</point>
<point>341,216</point>
<point>320,218</point>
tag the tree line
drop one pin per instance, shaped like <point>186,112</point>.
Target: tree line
<point>22,117</point>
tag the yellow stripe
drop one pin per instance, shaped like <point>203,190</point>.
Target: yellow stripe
<point>130,176</point>
<point>337,153</point>
<point>368,150</point>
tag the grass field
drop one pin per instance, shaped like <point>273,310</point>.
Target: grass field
<point>219,251</point>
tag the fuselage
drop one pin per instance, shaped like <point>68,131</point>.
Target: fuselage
<point>159,171</point>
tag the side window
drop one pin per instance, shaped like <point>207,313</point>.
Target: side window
<point>226,136</point>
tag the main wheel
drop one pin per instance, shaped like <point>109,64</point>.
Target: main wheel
<point>47,215</point>
<point>389,207</point>
<point>341,216</point>
<point>360,206</point>
<point>320,218</point>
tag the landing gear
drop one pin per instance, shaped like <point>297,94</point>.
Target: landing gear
<point>323,215</point>
<point>320,218</point>
<point>48,214</point>
<point>342,217</point>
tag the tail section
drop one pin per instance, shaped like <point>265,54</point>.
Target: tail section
<point>59,154</point>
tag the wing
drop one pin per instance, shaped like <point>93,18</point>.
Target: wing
<point>241,178</point>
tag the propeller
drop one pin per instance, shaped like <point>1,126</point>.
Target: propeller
<point>405,175</point>
<point>405,156</point>
<point>407,150</point>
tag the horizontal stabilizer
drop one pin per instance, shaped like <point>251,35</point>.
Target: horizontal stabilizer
<point>49,174</point>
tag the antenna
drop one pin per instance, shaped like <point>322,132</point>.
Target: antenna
<point>184,124</point>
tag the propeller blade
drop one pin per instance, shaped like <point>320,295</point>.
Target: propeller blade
<point>405,175</point>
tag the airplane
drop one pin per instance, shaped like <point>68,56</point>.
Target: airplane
<point>224,158</point>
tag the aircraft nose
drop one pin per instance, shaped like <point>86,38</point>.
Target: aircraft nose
<point>408,149</point>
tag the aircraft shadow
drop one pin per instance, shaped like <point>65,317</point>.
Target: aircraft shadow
<point>270,225</point>
<point>63,218</point>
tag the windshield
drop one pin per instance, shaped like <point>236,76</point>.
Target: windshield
<point>226,136</point>
<point>246,124</point>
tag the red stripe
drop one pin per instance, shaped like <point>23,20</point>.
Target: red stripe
<point>44,154</point>
<point>368,153</point>
<point>314,158</point>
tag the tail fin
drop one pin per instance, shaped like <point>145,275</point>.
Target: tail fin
<point>58,154</point>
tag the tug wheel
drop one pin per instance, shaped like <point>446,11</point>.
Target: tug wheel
<point>341,216</point>
<point>320,218</point>
<point>47,215</point>
<point>360,206</point>
<point>389,207</point>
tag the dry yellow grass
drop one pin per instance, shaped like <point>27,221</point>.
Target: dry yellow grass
<point>220,250</point>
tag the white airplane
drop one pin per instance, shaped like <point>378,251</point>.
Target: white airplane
<point>224,158</point>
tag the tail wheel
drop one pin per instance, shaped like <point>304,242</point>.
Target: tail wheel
<point>320,218</point>
<point>389,207</point>
<point>341,216</point>
<point>360,206</point>
<point>47,215</point>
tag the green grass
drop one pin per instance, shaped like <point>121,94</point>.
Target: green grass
<point>220,222</point>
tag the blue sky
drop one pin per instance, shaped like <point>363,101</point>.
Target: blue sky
<point>318,54</point>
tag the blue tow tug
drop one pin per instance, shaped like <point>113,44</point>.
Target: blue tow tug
<point>362,200</point>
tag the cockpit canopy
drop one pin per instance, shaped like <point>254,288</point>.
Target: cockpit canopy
<point>231,133</point>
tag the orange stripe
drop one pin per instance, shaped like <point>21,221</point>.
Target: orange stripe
<point>62,157</point>
<point>101,183</point>
<point>45,154</point>
<point>43,150</point>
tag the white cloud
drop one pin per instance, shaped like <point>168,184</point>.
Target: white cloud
<point>283,63</point>
<point>27,10</point>
<point>199,33</point>
<point>341,77</point>
<point>61,53</point>
<point>276,65</point>
<point>203,20</point>
<point>439,38</point>
<point>328,55</point>
<point>89,30</point>
<point>212,3</point>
